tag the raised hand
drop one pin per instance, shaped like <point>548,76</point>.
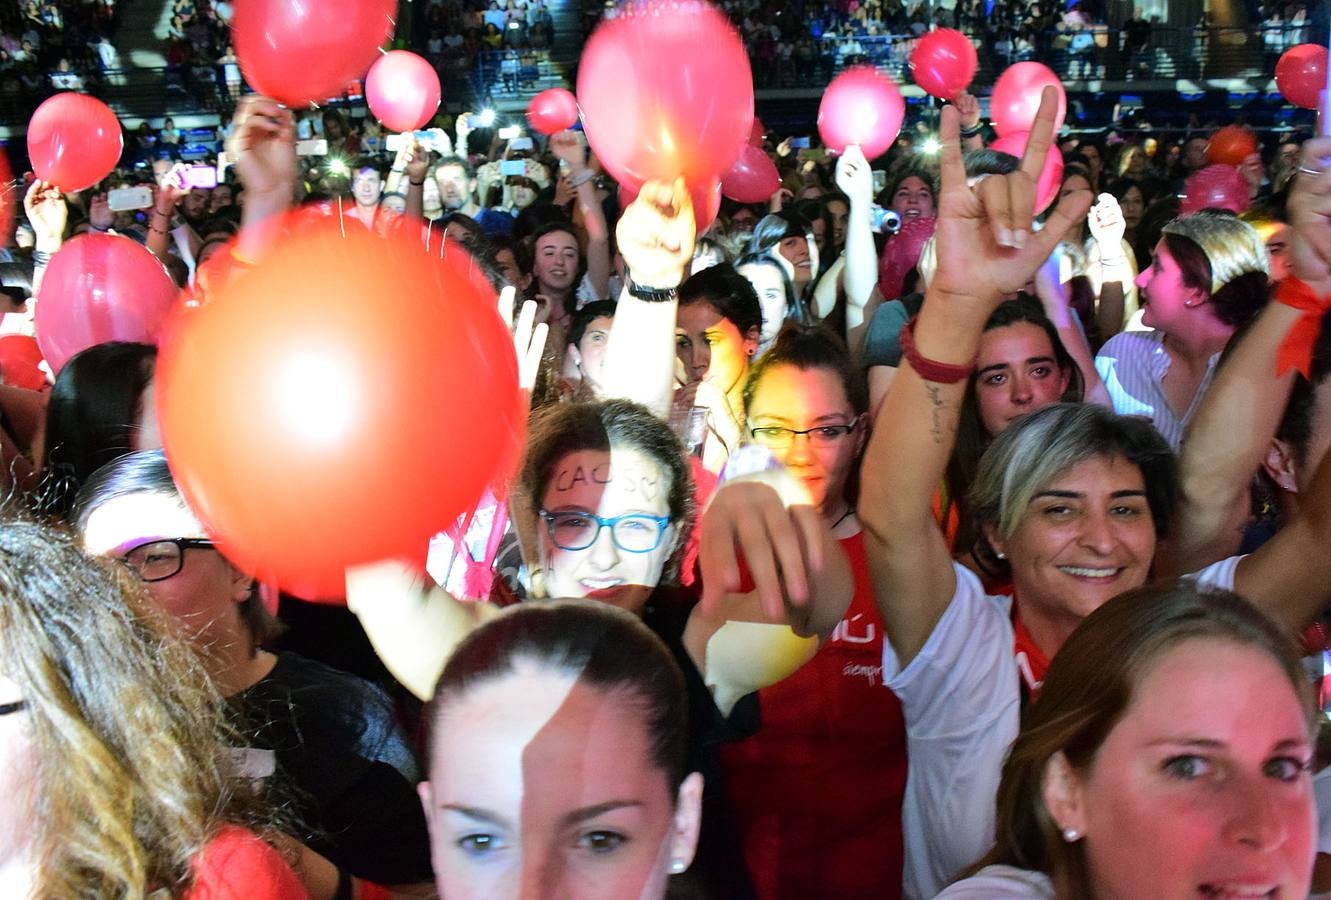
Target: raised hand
<point>529,337</point>
<point>854,176</point>
<point>1107,226</point>
<point>568,147</point>
<point>45,207</point>
<point>100,216</point>
<point>968,107</point>
<point>656,233</point>
<point>262,147</point>
<point>169,191</point>
<point>1310,216</point>
<point>985,243</point>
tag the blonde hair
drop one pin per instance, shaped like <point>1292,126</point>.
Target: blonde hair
<point>1232,246</point>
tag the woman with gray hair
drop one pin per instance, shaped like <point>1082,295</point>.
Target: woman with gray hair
<point>1072,498</point>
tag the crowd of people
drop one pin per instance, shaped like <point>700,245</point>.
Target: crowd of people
<point>888,538</point>
<point>48,45</point>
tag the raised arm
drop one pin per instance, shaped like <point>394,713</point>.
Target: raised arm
<point>1108,268</point>
<point>855,179</point>
<point>262,147</point>
<point>416,167</point>
<point>986,248</point>
<point>1053,293</point>
<point>569,147</point>
<point>45,208</point>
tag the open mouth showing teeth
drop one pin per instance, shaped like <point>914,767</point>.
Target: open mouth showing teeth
<point>600,584</point>
<point>1082,572</point>
<point>1236,891</point>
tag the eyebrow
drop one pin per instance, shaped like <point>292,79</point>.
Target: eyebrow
<point>834,417</point>
<point>1212,744</point>
<point>1003,365</point>
<point>592,812</point>
<point>1078,495</point>
<point>478,814</point>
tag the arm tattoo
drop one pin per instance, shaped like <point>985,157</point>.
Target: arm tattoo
<point>936,399</point>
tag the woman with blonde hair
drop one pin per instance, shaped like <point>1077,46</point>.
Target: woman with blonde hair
<point>114,759</point>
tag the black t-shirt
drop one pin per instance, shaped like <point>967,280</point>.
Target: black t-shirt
<point>343,769</point>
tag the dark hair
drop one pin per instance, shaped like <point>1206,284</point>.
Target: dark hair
<point>605,647</point>
<point>907,167</point>
<point>372,163</point>
<point>773,228</point>
<point>521,252</point>
<point>1159,213</point>
<point>809,347</point>
<point>147,472</point>
<point>1091,684</point>
<point>729,292</point>
<point>91,417</point>
<point>560,223</point>
<point>987,161</point>
<point>587,314</point>
<point>569,427</point>
<point>475,234</point>
<point>796,311</point>
<point>1238,301</point>
<point>458,161</point>
<point>1119,187</point>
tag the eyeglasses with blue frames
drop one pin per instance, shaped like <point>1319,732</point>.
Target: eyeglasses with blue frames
<point>578,530</point>
<point>777,437</point>
<point>161,559</point>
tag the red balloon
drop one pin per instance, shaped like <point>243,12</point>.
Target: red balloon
<point>11,198</point>
<point>553,111</point>
<point>1301,74</point>
<point>944,62</point>
<point>1216,187</point>
<point>99,288</point>
<point>402,90</point>
<point>752,178</point>
<point>665,91</point>
<point>1016,97</point>
<point>758,133</point>
<point>305,51</point>
<point>311,428</point>
<point>1051,176</point>
<point>861,106</point>
<point>706,201</point>
<point>1231,145</point>
<point>74,141</point>
<point>20,363</point>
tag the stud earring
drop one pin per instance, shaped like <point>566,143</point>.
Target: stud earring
<point>1002,555</point>
<point>1071,834</point>
<point>677,866</point>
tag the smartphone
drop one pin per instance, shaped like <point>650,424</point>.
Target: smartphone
<point>512,132</point>
<point>202,177</point>
<point>122,199</point>
<point>318,147</point>
<point>521,143</point>
<point>512,167</point>
<point>799,143</point>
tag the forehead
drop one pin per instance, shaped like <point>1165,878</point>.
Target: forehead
<point>621,478</point>
<point>699,316</point>
<point>600,323</point>
<point>124,521</point>
<point>557,240</point>
<point>1017,342</point>
<point>1098,474</point>
<point>784,389</point>
<point>912,183</point>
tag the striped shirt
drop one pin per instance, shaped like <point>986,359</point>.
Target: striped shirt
<point>1133,366</point>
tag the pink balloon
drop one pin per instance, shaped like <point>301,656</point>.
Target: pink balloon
<point>1051,176</point>
<point>706,201</point>
<point>99,288</point>
<point>861,106</point>
<point>944,62</point>
<point>1301,74</point>
<point>666,91</point>
<point>402,90</point>
<point>1016,97</point>
<point>305,51</point>
<point>74,141</point>
<point>1216,187</point>
<point>752,178</point>
<point>553,111</point>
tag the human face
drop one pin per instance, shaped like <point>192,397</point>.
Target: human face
<point>1086,536</point>
<point>194,204</point>
<point>1194,154</point>
<point>1072,184</point>
<point>1133,205</point>
<point>1168,299</point>
<point>508,266</point>
<point>544,787</point>
<point>454,187</point>
<point>1207,776</point>
<point>770,285</point>
<point>711,347</point>
<point>591,353</point>
<point>621,482</point>
<point>840,215</point>
<point>743,220</point>
<point>203,597</point>
<point>1016,372</point>
<point>799,399</point>
<point>20,781</point>
<point>556,262</point>
<point>221,197</point>
<point>522,192</point>
<point>1277,247</point>
<point>795,249</point>
<point>366,186</point>
<point>912,199</point>
<point>1092,154</point>
<point>431,203</point>
<point>394,204</point>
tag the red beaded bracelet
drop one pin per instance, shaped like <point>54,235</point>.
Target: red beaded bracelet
<point>928,369</point>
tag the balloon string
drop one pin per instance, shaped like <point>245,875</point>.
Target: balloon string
<point>340,223</point>
<point>429,229</point>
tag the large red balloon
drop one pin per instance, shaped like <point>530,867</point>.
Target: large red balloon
<point>1016,97</point>
<point>306,51</point>
<point>706,199</point>
<point>752,178</point>
<point>1230,146</point>
<point>342,401</point>
<point>1216,187</point>
<point>20,363</point>
<point>1301,74</point>
<point>99,288</point>
<point>861,106</point>
<point>402,90</point>
<point>1051,176</point>
<point>11,198</point>
<point>74,141</point>
<point>666,90</point>
<point>944,62</point>
<point>552,111</point>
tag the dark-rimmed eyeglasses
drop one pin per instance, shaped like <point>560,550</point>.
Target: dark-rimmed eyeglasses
<point>776,437</point>
<point>11,708</point>
<point>632,533</point>
<point>161,559</point>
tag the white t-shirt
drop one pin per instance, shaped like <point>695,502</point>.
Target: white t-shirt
<point>1001,883</point>
<point>961,697</point>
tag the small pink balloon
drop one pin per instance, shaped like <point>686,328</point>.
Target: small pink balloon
<point>1051,176</point>
<point>74,141</point>
<point>861,106</point>
<point>1016,97</point>
<point>706,201</point>
<point>752,177</point>
<point>553,111</point>
<point>944,62</point>
<point>1216,187</point>
<point>99,288</point>
<point>402,90</point>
